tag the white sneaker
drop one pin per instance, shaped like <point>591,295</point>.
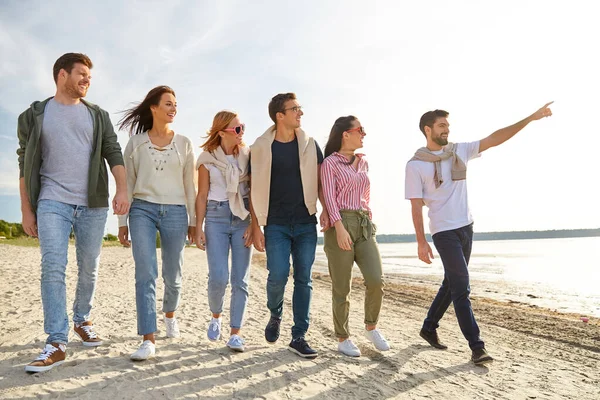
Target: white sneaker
<point>236,343</point>
<point>377,339</point>
<point>214,329</point>
<point>348,348</point>
<point>146,350</point>
<point>172,327</point>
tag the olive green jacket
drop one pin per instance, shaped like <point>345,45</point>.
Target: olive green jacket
<point>105,147</point>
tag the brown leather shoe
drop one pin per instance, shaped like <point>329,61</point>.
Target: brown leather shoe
<point>433,339</point>
<point>86,332</point>
<point>52,356</point>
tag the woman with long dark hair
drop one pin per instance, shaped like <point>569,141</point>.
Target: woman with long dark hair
<point>222,205</point>
<point>346,187</point>
<point>160,183</point>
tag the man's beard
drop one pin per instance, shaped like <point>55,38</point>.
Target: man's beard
<point>440,141</point>
<point>74,91</point>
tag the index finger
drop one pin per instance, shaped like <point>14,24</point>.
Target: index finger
<point>547,104</point>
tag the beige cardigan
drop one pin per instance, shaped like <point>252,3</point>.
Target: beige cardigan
<point>459,168</point>
<point>260,161</point>
<point>233,176</point>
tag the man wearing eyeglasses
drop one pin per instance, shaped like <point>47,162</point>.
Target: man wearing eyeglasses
<point>283,198</point>
<point>436,178</point>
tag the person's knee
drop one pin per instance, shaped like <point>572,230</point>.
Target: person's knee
<point>172,280</point>
<point>374,282</point>
<point>145,274</point>
<point>340,291</point>
<point>239,283</point>
<point>278,275</point>
<point>218,281</point>
<point>53,273</point>
<point>277,280</point>
<point>460,288</point>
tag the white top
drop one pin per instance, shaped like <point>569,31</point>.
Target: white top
<point>448,205</point>
<point>162,175</point>
<point>218,185</point>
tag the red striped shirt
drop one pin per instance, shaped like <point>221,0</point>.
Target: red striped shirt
<point>344,187</point>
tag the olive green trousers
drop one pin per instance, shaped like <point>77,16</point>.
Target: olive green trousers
<point>366,255</point>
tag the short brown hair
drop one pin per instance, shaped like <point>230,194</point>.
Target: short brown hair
<point>277,103</point>
<point>67,61</point>
<point>429,118</point>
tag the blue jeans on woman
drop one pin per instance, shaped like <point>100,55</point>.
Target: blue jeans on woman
<point>55,221</point>
<point>225,231</point>
<point>171,222</point>
<point>299,241</point>
<point>454,248</point>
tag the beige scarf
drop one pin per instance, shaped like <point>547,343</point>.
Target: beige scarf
<point>459,168</point>
<point>233,176</point>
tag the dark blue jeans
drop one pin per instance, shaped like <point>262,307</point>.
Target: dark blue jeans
<point>454,248</point>
<point>299,241</point>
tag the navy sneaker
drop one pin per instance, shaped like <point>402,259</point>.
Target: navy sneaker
<point>481,357</point>
<point>433,339</point>
<point>300,347</point>
<point>272,329</point>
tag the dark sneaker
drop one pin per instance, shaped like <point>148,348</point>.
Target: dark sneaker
<point>87,335</point>
<point>300,347</point>
<point>480,357</point>
<point>52,356</point>
<point>433,339</point>
<point>272,330</point>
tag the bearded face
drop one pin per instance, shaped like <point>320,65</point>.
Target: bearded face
<point>78,81</point>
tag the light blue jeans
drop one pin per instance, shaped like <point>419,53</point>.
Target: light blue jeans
<point>171,222</point>
<point>55,221</point>
<point>224,231</point>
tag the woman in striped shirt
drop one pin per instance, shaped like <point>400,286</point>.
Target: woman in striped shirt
<point>346,187</point>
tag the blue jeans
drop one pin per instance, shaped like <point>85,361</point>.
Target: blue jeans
<point>171,222</point>
<point>55,221</point>
<point>454,248</point>
<point>225,231</point>
<point>299,240</point>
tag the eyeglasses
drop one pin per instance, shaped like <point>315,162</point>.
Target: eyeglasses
<point>295,109</point>
<point>237,129</point>
<point>360,129</point>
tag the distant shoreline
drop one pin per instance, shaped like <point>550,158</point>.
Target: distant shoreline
<point>514,235</point>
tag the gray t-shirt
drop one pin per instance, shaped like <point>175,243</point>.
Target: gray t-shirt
<point>67,136</point>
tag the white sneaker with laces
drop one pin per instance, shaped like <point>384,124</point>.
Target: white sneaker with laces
<point>236,343</point>
<point>172,327</point>
<point>146,350</point>
<point>348,348</point>
<point>214,329</point>
<point>377,339</point>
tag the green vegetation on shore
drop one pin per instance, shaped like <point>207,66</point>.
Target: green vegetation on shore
<point>13,233</point>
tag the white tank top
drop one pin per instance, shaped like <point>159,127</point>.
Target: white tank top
<point>217,190</point>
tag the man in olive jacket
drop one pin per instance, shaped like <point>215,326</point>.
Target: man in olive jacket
<point>63,179</point>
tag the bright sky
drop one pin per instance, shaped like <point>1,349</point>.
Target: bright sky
<point>387,62</point>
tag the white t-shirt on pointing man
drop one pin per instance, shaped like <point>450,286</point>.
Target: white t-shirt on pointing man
<point>448,205</point>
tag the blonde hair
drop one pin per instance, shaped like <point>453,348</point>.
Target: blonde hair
<point>220,122</point>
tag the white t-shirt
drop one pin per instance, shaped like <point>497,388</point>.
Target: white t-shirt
<point>448,205</point>
<point>217,190</point>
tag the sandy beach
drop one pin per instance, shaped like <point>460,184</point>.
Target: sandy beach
<point>540,354</point>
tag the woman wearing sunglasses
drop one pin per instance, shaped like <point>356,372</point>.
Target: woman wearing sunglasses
<point>346,188</point>
<point>160,180</point>
<point>222,205</point>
